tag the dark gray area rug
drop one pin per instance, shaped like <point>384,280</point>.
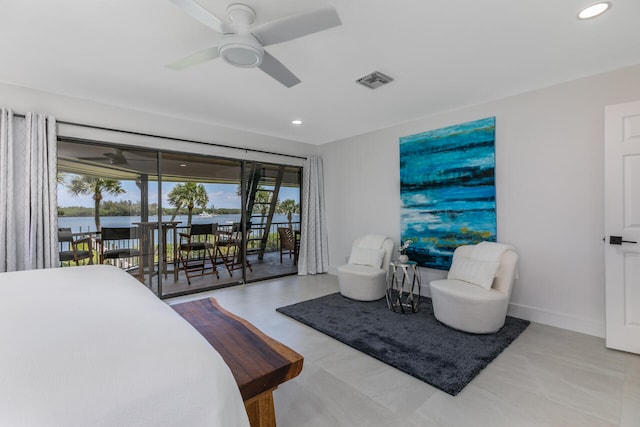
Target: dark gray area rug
<point>416,343</point>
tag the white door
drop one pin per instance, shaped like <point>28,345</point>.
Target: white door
<point>622,226</point>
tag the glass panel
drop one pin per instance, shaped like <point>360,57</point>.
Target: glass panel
<point>202,195</point>
<point>273,219</point>
<point>105,193</point>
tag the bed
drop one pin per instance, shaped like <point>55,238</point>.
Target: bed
<point>91,346</point>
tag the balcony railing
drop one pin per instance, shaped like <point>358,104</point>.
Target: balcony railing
<point>253,243</point>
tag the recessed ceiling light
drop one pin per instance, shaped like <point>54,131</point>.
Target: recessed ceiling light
<point>296,122</point>
<point>183,165</point>
<point>594,10</point>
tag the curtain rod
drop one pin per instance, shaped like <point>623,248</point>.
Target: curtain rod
<point>213,144</point>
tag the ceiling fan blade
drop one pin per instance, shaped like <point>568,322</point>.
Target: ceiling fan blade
<point>202,15</point>
<point>94,159</point>
<point>275,69</point>
<point>292,27</point>
<point>112,160</point>
<point>195,59</point>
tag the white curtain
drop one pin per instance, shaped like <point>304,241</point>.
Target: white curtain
<point>314,244</point>
<point>28,192</point>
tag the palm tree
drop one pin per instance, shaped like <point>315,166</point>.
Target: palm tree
<point>83,184</point>
<point>288,207</point>
<point>188,194</point>
<point>260,202</point>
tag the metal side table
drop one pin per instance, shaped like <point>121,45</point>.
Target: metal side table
<point>403,287</point>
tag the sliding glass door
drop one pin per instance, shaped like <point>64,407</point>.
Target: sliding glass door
<point>103,198</point>
<point>180,223</point>
<point>272,212</point>
<point>201,194</point>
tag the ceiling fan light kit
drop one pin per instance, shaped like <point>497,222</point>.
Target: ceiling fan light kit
<point>243,46</point>
<point>243,52</point>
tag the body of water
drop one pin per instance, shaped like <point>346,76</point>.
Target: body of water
<point>86,223</point>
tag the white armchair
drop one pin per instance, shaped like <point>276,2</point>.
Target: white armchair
<point>475,296</point>
<point>364,278</point>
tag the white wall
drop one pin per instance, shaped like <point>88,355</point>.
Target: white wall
<point>549,182</point>
<point>549,179</point>
<point>23,100</point>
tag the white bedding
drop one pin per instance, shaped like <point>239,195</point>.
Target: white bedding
<point>91,346</point>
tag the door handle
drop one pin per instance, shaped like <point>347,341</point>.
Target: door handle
<point>617,240</point>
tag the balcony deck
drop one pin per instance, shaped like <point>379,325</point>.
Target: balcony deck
<point>268,267</point>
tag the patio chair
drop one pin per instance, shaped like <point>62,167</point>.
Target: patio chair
<point>121,245</point>
<point>196,246</point>
<point>288,243</point>
<point>229,248</point>
<point>74,250</point>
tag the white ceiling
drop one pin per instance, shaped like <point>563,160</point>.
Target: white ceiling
<point>443,54</point>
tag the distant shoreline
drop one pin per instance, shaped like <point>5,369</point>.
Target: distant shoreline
<point>84,212</point>
<point>87,224</point>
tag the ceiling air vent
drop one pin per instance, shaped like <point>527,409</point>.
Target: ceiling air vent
<point>374,80</point>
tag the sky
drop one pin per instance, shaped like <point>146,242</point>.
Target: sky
<point>220,195</point>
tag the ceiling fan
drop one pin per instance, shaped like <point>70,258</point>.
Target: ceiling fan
<point>116,158</point>
<point>243,45</point>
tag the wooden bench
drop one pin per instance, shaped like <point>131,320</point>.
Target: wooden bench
<point>258,362</point>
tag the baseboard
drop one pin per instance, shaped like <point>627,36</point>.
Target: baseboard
<point>547,317</point>
<point>559,320</point>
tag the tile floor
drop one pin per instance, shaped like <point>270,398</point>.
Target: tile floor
<point>547,377</point>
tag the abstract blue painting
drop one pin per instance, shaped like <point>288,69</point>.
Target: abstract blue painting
<point>447,189</point>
